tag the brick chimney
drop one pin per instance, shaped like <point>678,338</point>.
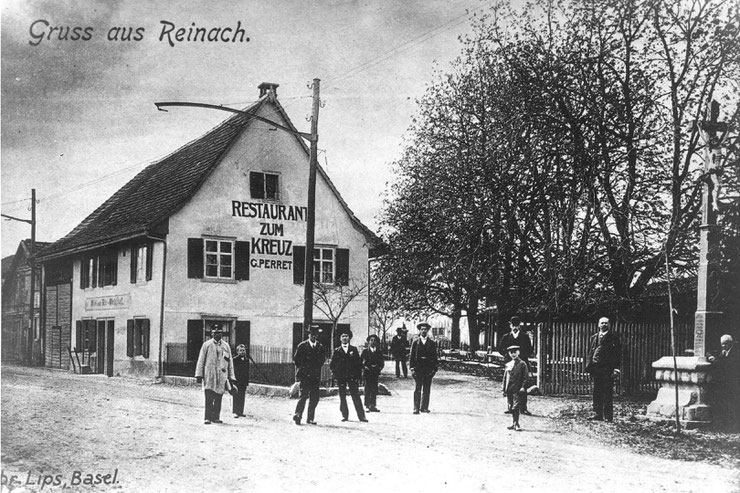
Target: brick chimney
<point>268,87</point>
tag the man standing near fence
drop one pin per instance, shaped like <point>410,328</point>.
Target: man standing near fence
<point>309,358</point>
<point>399,344</point>
<point>517,337</point>
<point>423,363</point>
<point>215,369</point>
<point>605,356</point>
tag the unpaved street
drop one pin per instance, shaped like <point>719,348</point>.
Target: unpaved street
<point>151,437</point>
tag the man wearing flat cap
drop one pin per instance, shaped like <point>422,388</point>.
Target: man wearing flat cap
<point>372,364</point>
<point>215,370</point>
<point>399,345</point>
<point>423,363</point>
<point>346,365</point>
<point>516,337</point>
<point>309,358</point>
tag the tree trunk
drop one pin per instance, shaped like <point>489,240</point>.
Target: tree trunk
<point>472,313</point>
<point>455,331</point>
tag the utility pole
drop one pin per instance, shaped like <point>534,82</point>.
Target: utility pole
<point>313,139</point>
<point>311,215</point>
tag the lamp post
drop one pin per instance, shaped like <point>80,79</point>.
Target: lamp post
<point>313,139</point>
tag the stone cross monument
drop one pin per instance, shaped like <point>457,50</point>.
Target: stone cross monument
<point>691,373</point>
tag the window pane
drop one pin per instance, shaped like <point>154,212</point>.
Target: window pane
<point>211,270</point>
<point>226,247</point>
<point>226,260</point>
<point>317,253</point>
<point>328,254</point>
<point>211,246</point>
<point>226,272</point>
<point>271,186</point>
<point>211,259</point>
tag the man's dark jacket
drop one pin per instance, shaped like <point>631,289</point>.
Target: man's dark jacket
<point>604,356</point>
<point>423,357</point>
<point>372,361</point>
<point>398,347</point>
<point>525,345</point>
<point>308,361</point>
<point>346,366</point>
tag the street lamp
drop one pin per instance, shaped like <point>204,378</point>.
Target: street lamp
<point>313,139</point>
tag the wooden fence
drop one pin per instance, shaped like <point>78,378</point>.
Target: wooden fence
<point>566,347</point>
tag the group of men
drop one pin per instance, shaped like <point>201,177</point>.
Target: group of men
<point>349,366</point>
<point>220,372</point>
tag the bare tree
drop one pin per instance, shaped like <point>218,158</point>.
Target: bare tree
<point>333,299</point>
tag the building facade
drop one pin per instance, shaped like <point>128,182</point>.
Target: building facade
<point>213,233</point>
<point>21,327</point>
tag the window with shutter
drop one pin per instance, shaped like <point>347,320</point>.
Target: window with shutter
<point>195,258</point>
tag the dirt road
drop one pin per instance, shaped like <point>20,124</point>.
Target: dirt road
<point>122,435</point>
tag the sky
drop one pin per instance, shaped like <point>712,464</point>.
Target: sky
<point>78,115</point>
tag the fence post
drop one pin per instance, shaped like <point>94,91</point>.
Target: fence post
<point>540,359</point>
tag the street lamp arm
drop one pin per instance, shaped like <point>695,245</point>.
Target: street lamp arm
<point>232,110</point>
<point>17,219</point>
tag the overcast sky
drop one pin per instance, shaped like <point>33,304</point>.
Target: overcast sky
<point>78,119</point>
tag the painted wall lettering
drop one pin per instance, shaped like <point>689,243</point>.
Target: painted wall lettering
<point>271,229</point>
<point>275,212</point>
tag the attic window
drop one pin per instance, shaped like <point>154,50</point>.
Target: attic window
<point>264,185</point>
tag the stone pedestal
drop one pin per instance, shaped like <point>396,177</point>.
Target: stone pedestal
<point>692,381</point>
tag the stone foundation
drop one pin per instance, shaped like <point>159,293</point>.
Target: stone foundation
<point>692,380</point>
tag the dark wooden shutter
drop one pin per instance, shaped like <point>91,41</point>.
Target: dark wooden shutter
<point>95,265</point>
<point>257,185</point>
<point>297,334</point>
<point>299,264</point>
<point>84,277</point>
<point>195,339</point>
<point>113,266</point>
<point>78,335</point>
<point>242,260</point>
<point>195,258</point>
<point>134,257</point>
<point>342,274</point>
<point>242,334</point>
<point>130,338</point>
<point>149,260</point>
<point>145,338</point>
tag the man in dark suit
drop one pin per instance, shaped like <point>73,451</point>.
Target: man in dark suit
<point>399,344</point>
<point>725,386</point>
<point>423,363</point>
<point>309,358</point>
<point>372,364</point>
<point>241,370</point>
<point>347,368</point>
<point>605,356</point>
<point>517,337</point>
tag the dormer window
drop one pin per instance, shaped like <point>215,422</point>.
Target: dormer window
<point>264,185</point>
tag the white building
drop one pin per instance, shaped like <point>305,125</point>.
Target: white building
<point>214,232</point>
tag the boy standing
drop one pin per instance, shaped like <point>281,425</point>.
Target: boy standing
<point>515,382</point>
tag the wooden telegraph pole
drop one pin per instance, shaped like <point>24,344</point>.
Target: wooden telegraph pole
<point>311,215</point>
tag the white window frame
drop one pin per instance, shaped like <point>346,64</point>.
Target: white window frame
<point>220,256</point>
<point>323,266</point>
<point>141,257</point>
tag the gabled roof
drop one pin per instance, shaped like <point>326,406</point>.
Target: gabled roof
<point>164,187</point>
<point>13,263</point>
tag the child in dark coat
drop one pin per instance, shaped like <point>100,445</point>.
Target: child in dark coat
<point>515,381</point>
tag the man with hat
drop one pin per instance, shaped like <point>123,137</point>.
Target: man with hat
<point>423,363</point>
<point>605,356</point>
<point>309,357</point>
<point>372,364</point>
<point>515,381</point>
<point>346,365</point>
<point>215,370</point>
<point>517,337</point>
<point>399,345</point>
